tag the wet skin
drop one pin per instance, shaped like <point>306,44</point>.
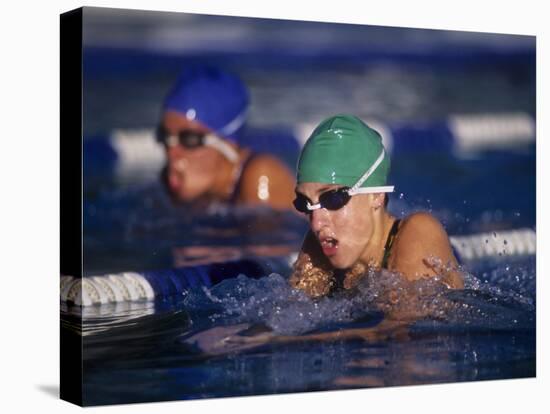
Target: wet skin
<point>355,235</point>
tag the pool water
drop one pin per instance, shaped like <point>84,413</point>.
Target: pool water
<point>177,348</point>
<point>255,335</point>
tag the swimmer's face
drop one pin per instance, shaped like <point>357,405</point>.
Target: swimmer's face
<point>191,172</point>
<point>343,234</point>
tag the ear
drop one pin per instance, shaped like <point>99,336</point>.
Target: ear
<point>377,200</point>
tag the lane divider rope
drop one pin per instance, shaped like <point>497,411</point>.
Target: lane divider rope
<point>135,287</point>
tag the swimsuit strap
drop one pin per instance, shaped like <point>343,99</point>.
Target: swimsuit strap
<point>389,243</point>
<point>339,276</point>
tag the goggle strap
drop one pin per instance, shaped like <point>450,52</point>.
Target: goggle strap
<point>227,150</point>
<point>312,207</point>
<point>172,140</point>
<point>369,172</point>
<point>370,190</point>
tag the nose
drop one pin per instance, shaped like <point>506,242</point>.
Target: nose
<point>175,152</point>
<point>177,158</point>
<point>318,219</point>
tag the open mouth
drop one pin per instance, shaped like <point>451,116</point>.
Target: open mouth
<point>329,245</point>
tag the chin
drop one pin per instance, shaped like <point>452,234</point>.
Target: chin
<point>186,198</point>
<point>185,195</point>
<point>180,198</point>
<point>340,262</point>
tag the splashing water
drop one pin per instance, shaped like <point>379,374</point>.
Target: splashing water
<point>270,301</point>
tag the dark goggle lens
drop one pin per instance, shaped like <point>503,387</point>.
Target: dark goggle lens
<point>331,200</point>
<point>300,203</point>
<point>335,199</point>
<point>190,139</point>
<point>186,138</point>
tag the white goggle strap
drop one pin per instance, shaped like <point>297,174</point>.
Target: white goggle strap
<point>172,141</point>
<point>227,150</point>
<point>367,174</point>
<point>312,207</point>
<point>370,190</point>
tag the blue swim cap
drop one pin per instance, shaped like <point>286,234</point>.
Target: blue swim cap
<point>211,96</point>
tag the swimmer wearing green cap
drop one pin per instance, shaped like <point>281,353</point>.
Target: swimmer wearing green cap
<point>341,187</point>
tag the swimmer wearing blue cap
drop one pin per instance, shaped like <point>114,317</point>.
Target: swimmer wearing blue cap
<point>203,116</point>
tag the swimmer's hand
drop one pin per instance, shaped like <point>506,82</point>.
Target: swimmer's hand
<point>449,274</point>
<point>229,339</point>
<point>311,272</point>
<point>315,282</point>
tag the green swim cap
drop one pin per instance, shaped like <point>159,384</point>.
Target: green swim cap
<point>340,151</point>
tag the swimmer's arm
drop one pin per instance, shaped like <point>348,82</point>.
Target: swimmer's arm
<point>386,329</point>
<point>423,249</point>
<point>266,180</point>
<point>228,339</point>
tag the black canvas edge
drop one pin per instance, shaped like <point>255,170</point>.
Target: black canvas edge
<point>70,96</point>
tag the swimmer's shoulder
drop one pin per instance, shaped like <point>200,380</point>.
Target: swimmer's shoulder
<point>267,179</point>
<point>421,237</point>
<point>421,224</point>
<point>265,164</point>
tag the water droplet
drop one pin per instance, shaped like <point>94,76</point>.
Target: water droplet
<point>486,240</point>
<point>401,196</point>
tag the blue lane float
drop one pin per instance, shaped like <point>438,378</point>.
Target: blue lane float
<point>149,285</point>
<point>133,150</point>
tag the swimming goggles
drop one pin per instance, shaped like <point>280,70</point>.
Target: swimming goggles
<point>337,198</point>
<point>192,139</point>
